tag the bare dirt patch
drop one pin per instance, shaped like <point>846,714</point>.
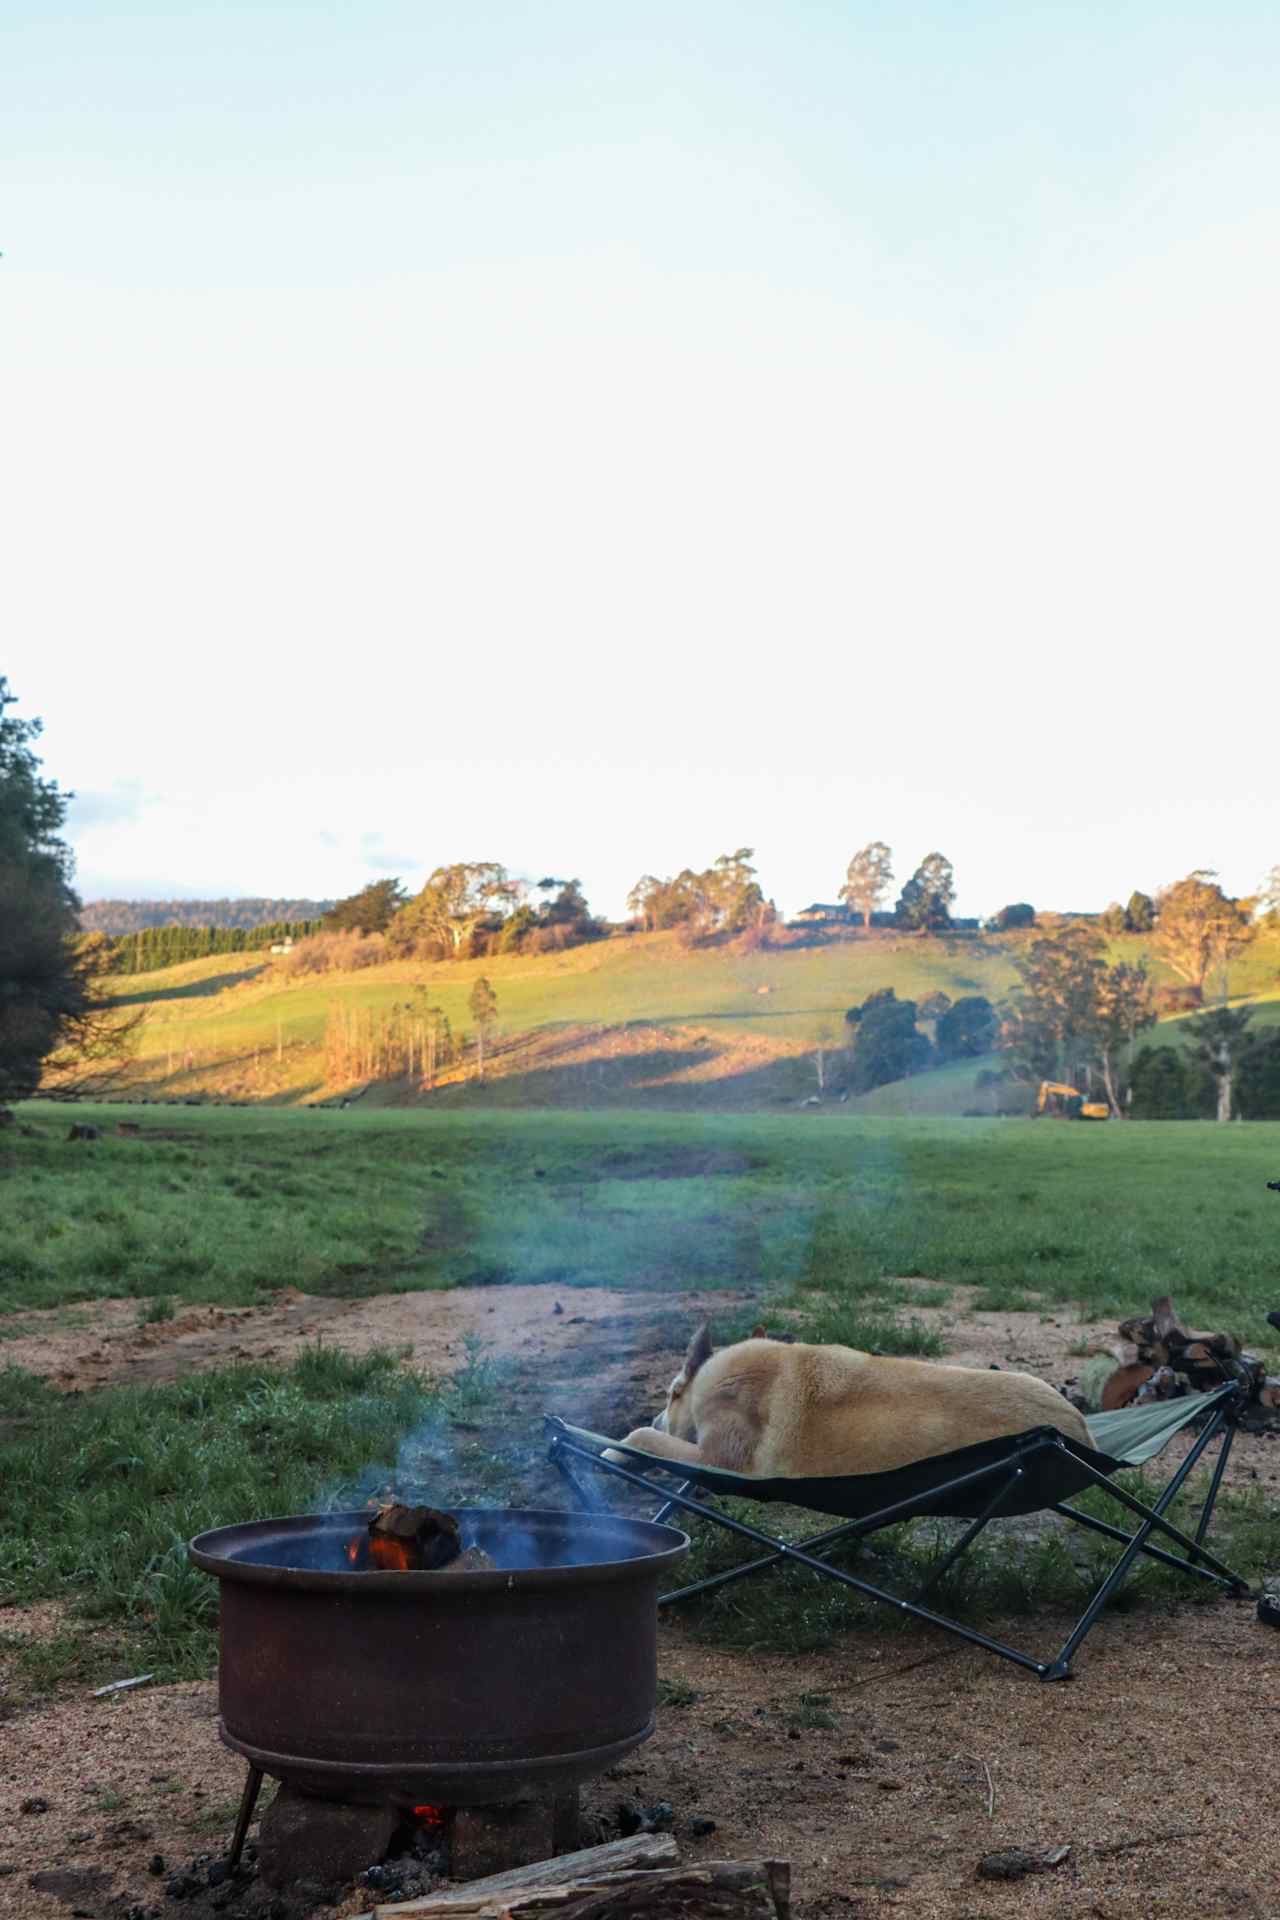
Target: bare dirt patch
<point>509,1322</point>
<point>886,1809</point>
<point>1151,1765</point>
<point>121,1779</point>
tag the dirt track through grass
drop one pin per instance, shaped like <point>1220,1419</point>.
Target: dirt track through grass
<point>832,1212</point>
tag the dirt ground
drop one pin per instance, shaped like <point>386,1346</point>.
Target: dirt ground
<point>1154,1765</point>
<point>79,1348</point>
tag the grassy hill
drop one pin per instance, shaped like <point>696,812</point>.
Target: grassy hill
<point>634,1020</point>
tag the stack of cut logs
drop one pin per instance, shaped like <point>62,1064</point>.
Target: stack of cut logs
<point>1161,1359</point>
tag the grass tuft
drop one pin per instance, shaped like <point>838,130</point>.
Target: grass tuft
<point>103,1493</point>
<point>1038,1565</point>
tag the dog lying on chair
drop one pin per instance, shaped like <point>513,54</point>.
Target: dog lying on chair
<point>782,1411</point>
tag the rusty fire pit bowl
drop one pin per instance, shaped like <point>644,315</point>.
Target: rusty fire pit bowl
<point>459,1689</point>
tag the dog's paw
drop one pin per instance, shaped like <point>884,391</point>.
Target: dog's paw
<point>639,1438</point>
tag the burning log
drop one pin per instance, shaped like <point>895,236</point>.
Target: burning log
<point>417,1540</point>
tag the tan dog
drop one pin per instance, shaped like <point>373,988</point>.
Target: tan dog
<point>794,1411</point>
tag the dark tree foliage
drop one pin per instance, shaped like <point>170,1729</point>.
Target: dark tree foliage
<point>880,998</point>
<point>724,899</point>
<point>887,1045</point>
<point>516,929</point>
<point>1166,1084</point>
<point>1220,1041</point>
<point>968,1028</point>
<point>152,948</point>
<point>1140,914</point>
<point>369,911</point>
<point>134,916</point>
<point>1019,913</point>
<point>933,1006</point>
<point>924,905</point>
<point>1258,1079</point>
<point>46,992</point>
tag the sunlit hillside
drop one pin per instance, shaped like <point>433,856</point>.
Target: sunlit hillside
<point>637,1019</point>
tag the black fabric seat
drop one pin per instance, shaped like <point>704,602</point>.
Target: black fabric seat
<point>1033,1472</point>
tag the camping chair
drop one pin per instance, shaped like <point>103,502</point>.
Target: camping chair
<point>1040,1470</point>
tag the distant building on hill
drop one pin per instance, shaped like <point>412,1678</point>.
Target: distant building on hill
<point>822,910</point>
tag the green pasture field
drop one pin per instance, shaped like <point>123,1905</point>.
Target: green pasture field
<point>239,1026</point>
<point>856,1221</point>
<point>830,1209</point>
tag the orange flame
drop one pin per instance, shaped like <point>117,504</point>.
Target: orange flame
<point>390,1556</point>
<point>353,1549</point>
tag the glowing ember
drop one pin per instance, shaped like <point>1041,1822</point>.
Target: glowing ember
<point>392,1556</point>
<point>429,1816</point>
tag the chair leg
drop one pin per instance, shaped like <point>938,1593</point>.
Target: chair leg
<point>1153,1517</point>
<point>1219,1468</point>
<point>816,1543</point>
<point>587,1497</point>
<point>1105,1528</point>
<point>968,1537</point>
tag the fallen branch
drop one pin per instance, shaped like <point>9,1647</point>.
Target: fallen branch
<point>123,1686</point>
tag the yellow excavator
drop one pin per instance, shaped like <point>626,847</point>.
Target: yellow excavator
<point>1068,1103</point>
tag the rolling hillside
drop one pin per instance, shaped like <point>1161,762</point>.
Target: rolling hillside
<point>635,1020</point>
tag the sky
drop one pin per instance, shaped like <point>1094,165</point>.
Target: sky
<point>597,438</point>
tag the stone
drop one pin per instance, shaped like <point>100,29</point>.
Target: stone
<point>496,1839</point>
<point>300,1837</point>
<point>71,1883</point>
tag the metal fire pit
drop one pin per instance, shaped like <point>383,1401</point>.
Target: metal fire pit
<point>459,1689</point>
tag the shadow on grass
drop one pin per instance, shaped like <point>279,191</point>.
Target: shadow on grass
<point>212,984</point>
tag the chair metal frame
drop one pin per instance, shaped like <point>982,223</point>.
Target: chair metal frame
<point>570,1457</point>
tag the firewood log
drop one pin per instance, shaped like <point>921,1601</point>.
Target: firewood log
<point>1122,1385</point>
<point>647,1850</point>
<point>705,1890</point>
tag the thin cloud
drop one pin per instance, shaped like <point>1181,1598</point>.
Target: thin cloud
<point>112,808</point>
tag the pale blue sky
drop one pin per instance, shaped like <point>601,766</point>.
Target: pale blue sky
<point>595,438</point>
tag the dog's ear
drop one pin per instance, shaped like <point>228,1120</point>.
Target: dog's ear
<point>700,1350</point>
